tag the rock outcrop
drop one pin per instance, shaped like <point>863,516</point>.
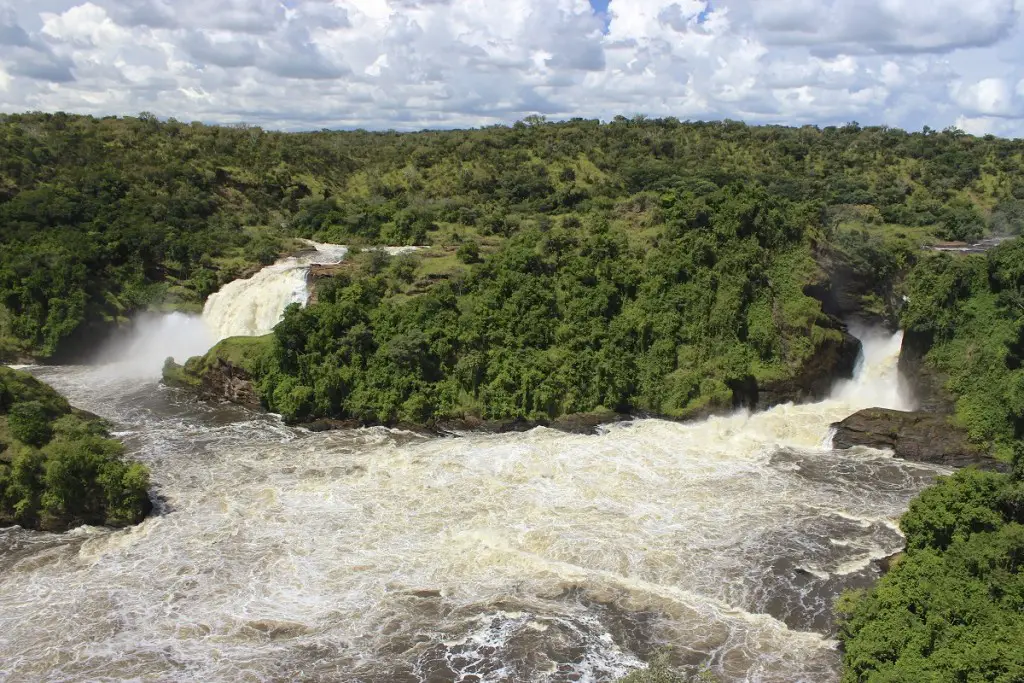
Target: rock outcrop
<point>227,381</point>
<point>832,360</point>
<point>225,373</point>
<point>915,436</point>
<point>849,293</point>
<point>925,384</point>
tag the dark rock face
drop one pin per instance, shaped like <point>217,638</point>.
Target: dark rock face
<point>926,385</point>
<point>230,382</point>
<point>81,345</point>
<point>221,380</point>
<point>914,436</point>
<point>842,292</point>
<point>833,360</point>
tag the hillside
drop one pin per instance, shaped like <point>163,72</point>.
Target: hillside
<point>106,217</point>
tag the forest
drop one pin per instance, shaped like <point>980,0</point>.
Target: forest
<point>650,266</point>
<point>103,218</point>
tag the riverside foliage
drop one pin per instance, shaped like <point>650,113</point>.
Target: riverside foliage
<point>58,469</point>
<point>952,609</point>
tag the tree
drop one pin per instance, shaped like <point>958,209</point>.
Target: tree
<point>468,252</point>
<point>29,423</point>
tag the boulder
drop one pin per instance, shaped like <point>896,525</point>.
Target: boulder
<point>224,380</point>
<point>914,436</point>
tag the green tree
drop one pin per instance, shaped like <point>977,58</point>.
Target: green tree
<point>29,423</point>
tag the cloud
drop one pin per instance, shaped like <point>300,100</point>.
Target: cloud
<point>987,97</point>
<point>242,16</point>
<point>426,63</point>
<point>887,26</point>
<point>27,56</point>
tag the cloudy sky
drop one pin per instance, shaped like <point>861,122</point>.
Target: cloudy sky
<point>409,64</point>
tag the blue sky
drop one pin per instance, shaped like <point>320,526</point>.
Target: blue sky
<point>408,64</point>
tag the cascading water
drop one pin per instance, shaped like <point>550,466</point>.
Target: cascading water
<point>379,555</point>
<point>251,307</point>
<point>242,308</point>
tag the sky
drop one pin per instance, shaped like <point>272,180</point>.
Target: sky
<point>412,64</point>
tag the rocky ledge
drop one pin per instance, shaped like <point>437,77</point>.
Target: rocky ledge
<point>914,436</point>
<point>833,359</point>
<point>225,373</point>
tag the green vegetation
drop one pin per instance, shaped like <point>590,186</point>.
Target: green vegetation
<point>103,217</point>
<point>58,469</point>
<point>968,312</point>
<point>952,609</point>
<point>565,319</point>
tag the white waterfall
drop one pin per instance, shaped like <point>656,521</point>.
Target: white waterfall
<point>251,307</point>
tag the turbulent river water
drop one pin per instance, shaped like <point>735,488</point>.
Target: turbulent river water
<point>379,555</point>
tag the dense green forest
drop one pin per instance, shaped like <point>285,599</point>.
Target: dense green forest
<point>58,468</point>
<point>101,218</point>
<point>566,319</point>
<point>952,609</point>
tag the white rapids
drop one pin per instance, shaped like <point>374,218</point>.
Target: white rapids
<point>251,307</point>
<point>378,555</point>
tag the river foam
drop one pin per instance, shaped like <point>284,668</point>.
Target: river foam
<point>381,555</point>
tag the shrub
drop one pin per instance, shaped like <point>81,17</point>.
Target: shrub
<point>29,423</point>
<point>469,252</point>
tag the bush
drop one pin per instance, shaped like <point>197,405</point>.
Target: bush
<point>29,423</point>
<point>60,470</point>
<point>85,481</point>
<point>469,252</point>
<point>951,608</point>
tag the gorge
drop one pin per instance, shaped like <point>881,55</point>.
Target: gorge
<point>381,555</point>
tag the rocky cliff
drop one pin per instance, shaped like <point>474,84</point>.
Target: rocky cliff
<point>834,359</point>
<point>925,384</point>
<point>227,372</point>
<point>915,436</point>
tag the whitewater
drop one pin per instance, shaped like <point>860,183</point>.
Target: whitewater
<point>379,555</point>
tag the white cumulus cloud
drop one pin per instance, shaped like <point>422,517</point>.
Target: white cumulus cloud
<point>438,63</point>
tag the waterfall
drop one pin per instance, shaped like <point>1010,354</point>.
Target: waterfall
<point>381,555</point>
<point>875,382</point>
<point>251,307</point>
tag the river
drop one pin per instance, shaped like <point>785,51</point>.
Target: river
<point>379,555</point>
